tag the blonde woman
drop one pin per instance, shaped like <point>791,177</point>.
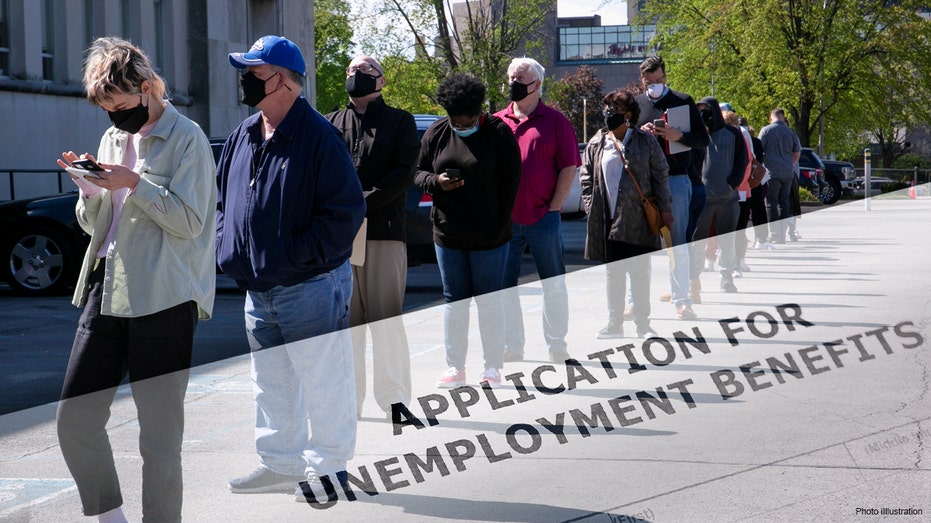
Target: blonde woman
<point>147,277</point>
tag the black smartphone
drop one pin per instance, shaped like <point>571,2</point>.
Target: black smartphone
<point>453,174</point>
<point>659,123</point>
<point>87,164</point>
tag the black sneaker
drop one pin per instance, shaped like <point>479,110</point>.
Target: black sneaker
<point>320,489</point>
<point>559,356</point>
<point>263,480</point>
<point>614,329</point>
<point>646,332</point>
<point>727,282</point>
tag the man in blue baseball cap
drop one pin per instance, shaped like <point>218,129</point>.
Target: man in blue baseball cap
<point>284,234</point>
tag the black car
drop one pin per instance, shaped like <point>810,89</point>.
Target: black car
<point>417,220</point>
<point>41,244</point>
<point>811,174</point>
<point>839,177</point>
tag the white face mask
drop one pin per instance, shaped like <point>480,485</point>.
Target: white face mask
<point>655,90</point>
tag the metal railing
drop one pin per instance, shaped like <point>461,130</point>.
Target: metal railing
<point>916,175</point>
<point>32,188</point>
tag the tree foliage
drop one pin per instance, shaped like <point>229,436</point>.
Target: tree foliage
<point>853,67</point>
<point>332,47</point>
<point>482,41</point>
<point>579,95</point>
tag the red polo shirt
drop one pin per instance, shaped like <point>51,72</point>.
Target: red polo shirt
<point>547,145</point>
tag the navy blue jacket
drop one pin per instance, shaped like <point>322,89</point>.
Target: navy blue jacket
<point>289,208</point>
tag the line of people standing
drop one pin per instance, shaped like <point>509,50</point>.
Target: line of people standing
<point>291,191</point>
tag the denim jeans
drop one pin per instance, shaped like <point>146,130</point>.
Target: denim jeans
<point>680,188</point>
<point>546,247</point>
<point>466,274</point>
<point>696,205</point>
<point>302,369</point>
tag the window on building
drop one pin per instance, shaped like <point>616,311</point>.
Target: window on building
<point>604,43</point>
<point>48,39</point>
<point>4,37</point>
<point>159,35</point>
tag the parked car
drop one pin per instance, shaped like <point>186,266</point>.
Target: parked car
<point>839,177</point>
<point>811,174</point>
<point>41,244</point>
<point>417,220</point>
<point>876,185</point>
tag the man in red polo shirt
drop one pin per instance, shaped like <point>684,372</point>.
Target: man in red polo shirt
<point>549,158</point>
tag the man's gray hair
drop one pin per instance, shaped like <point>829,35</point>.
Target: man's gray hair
<point>527,63</point>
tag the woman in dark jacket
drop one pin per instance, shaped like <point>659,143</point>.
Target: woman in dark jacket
<point>470,165</point>
<point>617,225</point>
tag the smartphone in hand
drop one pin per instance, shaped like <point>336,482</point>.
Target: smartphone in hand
<point>659,123</point>
<point>85,168</point>
<point>453,174</point>
<point>87,164</point>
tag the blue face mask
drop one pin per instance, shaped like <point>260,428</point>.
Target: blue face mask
<point>467,132</point>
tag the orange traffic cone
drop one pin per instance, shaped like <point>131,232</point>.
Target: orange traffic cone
<point>912,193</point>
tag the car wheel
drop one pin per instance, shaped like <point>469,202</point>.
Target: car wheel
<point>830,193</point>
<point>39,261</point>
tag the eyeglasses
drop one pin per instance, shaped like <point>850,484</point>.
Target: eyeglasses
<point>464,127</point>
<point>657,81</point>
<point>365,68</point>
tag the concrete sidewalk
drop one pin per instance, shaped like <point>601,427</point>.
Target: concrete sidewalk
<point>804,397</point>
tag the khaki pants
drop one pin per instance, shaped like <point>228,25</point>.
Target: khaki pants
<point>377,300</point>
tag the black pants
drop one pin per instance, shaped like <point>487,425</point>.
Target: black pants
<point>758,213</point>
<point>155,352</point>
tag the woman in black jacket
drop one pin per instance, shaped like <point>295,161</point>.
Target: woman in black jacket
<point>470,165</point>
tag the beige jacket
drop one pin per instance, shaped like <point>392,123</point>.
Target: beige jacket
<point>163,252</point>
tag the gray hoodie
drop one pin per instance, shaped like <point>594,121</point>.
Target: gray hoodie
<point>725,159</point>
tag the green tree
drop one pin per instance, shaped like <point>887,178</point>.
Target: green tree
<point>577,94</point>
<point>819,59</point>
<point>481,41</point>
<point>332,47</point>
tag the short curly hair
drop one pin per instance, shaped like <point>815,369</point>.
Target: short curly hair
<point>461,95</point>
<point>622,100</point>
<point>115,66</point>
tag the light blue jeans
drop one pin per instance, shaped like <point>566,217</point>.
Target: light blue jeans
<point>302,369</point>
<point>680,188</point>
<point>546,247</point>
<point>466,274</point>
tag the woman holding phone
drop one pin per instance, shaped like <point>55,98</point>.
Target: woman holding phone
<point>618,158</point>
<point>470,164</point>
<point>147,277</point>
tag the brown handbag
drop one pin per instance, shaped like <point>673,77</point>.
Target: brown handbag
<point>757,172</point>
<point>650,209</point>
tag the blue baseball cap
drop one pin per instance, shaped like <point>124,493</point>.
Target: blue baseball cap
<point>271,50</point>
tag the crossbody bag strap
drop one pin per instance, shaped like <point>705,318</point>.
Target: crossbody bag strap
<point>620,151</point>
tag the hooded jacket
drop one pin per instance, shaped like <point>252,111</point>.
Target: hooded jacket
<point>725,159</point>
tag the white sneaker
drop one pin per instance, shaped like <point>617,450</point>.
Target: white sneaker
<point>769,246</point>
<point>738,274</point>
<point>709,266</point>
<point>492,377</point>
<point>743,266</point>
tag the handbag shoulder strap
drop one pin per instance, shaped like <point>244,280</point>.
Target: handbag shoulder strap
<point>617,146</point>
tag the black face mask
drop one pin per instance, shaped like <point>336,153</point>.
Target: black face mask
<point>707,117</point>
<point>518,91</point>
<point>130,120</point>
<point>253,88</point>
<point>360,84</point>
<point>613,121</point>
